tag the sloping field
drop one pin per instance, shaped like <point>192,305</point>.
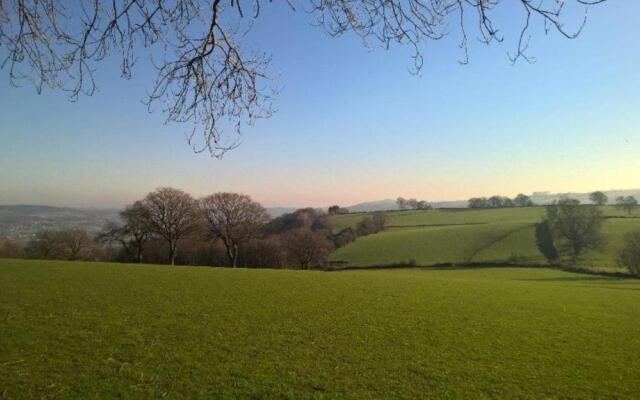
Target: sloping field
<point>463,236</point>
<point>465,216</point>
<point>518,247</point>
<point>613,230</point>
<point>83,330</point>
<point>456,216</point>
<point>447,217</point>
<point>425,245</point>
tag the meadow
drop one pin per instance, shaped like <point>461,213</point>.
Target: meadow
<point>98,330</point>
<point>463,236</point>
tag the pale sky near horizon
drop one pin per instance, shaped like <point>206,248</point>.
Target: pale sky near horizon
<point>353,125</point>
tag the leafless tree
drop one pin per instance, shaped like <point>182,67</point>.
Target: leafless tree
<point>627,203</point>
<point>307,248</point>
<point>203,74</point>
<point>478,202</point>
<point>132,235</point>
<point>522,200</point>
<point>234,218</point>
<point>629,255</point>
<point>499,202</point>
<point>266,252</point>
<point>412,203</point>
<point>73,242</point>
<point>344,237</point>
<point>372,223</point>
<point>11,249</point>
<point>402,203</point>
<point>335,210</point>
<point>379,220</point>
<point>574,227</point>
<point>136,228</point>
<point>69,244</point>
<point>113,232</point>
<point>598,198</point>
<point>412,22</point>
<point>171,214</point>
<point>45,245</point>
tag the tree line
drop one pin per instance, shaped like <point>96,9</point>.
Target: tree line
<point>412,204</point>
<point>223,229</point>
<point>625,203</point>
<point>570,229</point>
<point>230,229</point>
<point>521,200</point>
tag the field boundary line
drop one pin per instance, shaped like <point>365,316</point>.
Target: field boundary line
<point>497,240</point>
<point>436,225</point>
<point>481,264</point>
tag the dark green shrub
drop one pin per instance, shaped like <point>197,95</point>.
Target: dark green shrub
<point>544,242</point>
<point>629,256</point>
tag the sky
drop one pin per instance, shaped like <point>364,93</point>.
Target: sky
<point>353,124</point>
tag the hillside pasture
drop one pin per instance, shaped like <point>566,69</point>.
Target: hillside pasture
<point>439,217</point>
<point>462,236</point>
<point>426,245</point>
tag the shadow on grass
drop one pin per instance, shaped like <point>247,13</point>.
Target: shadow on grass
<point>586,274</point>
<point>434,225</point>
<point>576,279</point>
<point>590,282</point>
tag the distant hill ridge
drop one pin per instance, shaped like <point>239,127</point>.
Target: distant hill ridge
<point>540,198</point>
<point>22,221</point>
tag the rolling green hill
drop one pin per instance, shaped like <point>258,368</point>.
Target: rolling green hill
<point>97,330</point>
<point>469,236</point>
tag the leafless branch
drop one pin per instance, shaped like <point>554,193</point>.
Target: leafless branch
<point>203,74</point>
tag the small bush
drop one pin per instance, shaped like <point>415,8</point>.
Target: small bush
<point>629,256</point>
<point>544,242</point>
<point>371,224</point>
<point>343,237</point>
<point>517,259</point>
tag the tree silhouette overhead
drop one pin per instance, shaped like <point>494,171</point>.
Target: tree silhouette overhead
<point>204,75</point>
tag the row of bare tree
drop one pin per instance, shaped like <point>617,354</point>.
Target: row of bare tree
<point>229,223</point>
<point>170,226</point>
<point>625,203</point>
<point>413,204</point>
<point>66,244</point>
<point>521,200</point>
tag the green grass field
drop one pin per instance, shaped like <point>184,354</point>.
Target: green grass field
<point>470,236</point>
<point>93,330</point>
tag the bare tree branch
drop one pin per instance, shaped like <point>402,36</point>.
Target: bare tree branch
<point>203,74</point>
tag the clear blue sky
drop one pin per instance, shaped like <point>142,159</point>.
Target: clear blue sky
<point>353,125</point>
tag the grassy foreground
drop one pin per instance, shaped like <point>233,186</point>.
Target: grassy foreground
<point>85,330</point>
